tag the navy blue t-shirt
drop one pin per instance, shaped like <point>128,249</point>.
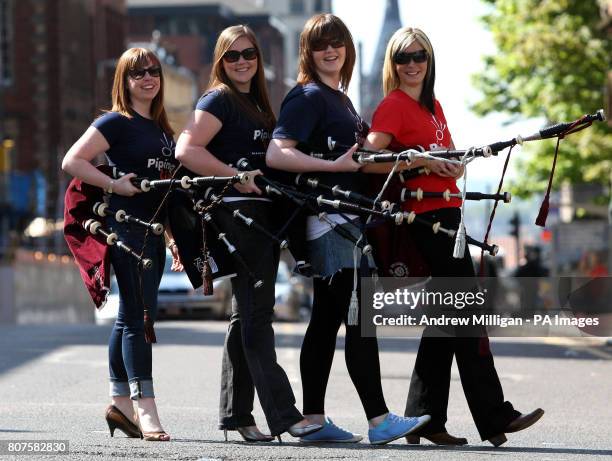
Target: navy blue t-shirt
<point>315,114</point>
<point>138,145</point>
<point>239,136</point>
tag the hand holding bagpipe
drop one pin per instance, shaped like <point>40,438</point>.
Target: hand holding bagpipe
<point>95,228</point>
<point>140,184</point>
<point>145,185</point>
<point>302,200</point>
<point>364,156</point>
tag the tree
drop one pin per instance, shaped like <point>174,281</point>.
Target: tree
<point>552,62</point>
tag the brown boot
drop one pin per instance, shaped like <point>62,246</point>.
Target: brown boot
<point>518,424</point>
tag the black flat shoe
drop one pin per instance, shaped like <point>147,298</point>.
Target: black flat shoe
<point>440,438</point>
<point>250,435</point>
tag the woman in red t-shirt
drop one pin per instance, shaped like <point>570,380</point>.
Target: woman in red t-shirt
<point>410,116</point>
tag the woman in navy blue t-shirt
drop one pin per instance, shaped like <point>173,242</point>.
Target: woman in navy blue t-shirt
<point>137,138</point>
<point>232,120</point>
<point>314,114</point>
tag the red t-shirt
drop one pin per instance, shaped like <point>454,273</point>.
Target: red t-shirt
<point>412,125</point>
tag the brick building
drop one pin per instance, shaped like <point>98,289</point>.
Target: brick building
<point>55,72</point>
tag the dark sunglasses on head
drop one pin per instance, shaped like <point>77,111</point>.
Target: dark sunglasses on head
<point>321,45</point>
<point>137,74</point>
<point>404,58</point>
<point>233,56</point>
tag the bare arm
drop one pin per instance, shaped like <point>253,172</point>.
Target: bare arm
<point>191,150</point>
<point>283,155</point>
<point>77,162</point>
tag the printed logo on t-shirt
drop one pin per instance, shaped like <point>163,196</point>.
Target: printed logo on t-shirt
<point>262,135</point>
<point>168,145</point>
<point>440,128</point>
<point>164,164</point>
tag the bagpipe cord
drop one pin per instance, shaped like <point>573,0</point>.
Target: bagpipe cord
<point>492,216</point>
<point>353,313</point>
<point>149,331</point>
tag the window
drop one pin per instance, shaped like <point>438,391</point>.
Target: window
<point>6,70</point>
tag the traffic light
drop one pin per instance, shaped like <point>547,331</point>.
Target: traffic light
<point>515,225</point>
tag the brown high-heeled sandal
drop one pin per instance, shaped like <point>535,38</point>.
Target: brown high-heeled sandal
<point>160,436</point>
<point>117,420</point>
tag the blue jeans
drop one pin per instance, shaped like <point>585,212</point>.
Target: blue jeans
<point>129,353</point>
<point>331,252</point>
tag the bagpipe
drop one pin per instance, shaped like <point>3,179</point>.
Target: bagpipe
<point>207,253</point>
<point>89,238</point>
<point>387,239</point>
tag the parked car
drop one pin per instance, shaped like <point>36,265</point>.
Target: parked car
<point>176,298</point>
<point>293,298</point>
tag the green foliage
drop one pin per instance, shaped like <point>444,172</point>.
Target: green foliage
<point>552,62</point>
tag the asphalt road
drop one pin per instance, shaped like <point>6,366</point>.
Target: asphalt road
<point>53,386</point>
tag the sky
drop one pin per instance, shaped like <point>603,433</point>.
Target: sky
<point>460,41</point>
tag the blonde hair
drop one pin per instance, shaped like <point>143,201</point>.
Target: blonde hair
<point>220,80</point>
<point>325,27</point>
<point>132,59</point>
<point>399,41</point>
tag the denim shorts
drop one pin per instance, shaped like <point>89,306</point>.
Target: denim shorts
<point>331,252</point>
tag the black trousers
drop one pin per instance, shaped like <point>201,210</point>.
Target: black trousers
<point>430,383</point>
<point>330,308</point>
<point>249,358</point>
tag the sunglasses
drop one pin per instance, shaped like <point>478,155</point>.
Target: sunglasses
<point>321,45</point>
<point>138,74</point>
<point>248,54</point>
<point>403,57</point>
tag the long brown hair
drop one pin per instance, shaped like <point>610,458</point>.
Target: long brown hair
<point>325,26</point>
<point>399,41</point>
<point>138,58</point>
<point>220,80</point>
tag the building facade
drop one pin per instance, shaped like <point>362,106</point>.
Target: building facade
<point>189,29</point>
<point>371,84</point>
<point>54,76</point>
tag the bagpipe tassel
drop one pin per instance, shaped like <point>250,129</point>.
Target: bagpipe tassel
<point>149,331</point>
<point>460,237</point>
<point>207,280</point>
<point>353,313</point>
<point>543,214</point>
<point>460,240</point>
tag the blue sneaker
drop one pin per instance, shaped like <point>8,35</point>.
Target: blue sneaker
<point>394,427</point>
<point>331,433</point>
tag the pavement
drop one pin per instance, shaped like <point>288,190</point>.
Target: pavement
<point>53,386</point>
